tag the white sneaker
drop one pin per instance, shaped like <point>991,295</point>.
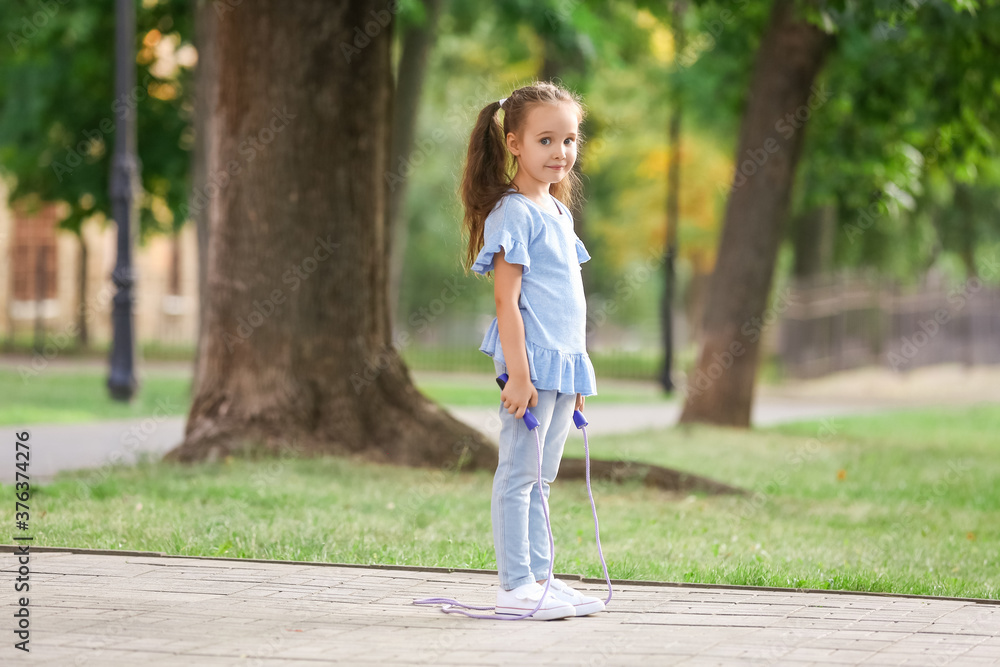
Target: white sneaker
<point>524,598</point>
<point>582,604</point>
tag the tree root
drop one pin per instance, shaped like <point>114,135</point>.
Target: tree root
<point>652,475</point>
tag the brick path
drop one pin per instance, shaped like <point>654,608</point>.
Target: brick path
<point>106,608</point>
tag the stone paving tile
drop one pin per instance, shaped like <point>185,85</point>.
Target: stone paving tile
<point>704,619</point>
<point>110,609</point>
<point>898,659</point>
<point>705,661</point>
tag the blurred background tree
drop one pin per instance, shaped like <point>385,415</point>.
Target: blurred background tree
<point>898,173</point>
<point>58,109</point>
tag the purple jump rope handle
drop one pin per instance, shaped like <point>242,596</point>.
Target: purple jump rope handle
<point>529,419</point>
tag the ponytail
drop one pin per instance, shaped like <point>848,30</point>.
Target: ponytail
<point>488,165</point>
<point>486,177</point>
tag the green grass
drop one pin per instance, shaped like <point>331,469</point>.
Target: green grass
<point>24,344</point>
<point>66,397</point>
<point>904,503</point>
<point>52,396</point>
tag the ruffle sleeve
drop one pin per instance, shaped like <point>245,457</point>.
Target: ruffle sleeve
<point>581,252</point>
<point>508,227</point>
<point>514,252</point>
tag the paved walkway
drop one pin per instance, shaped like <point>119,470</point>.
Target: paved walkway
<point>126,608</point>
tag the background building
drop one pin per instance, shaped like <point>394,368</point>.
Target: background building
<point>40,284</point>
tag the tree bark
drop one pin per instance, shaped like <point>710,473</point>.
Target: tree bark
<point>295,355</point>
<point>202,159</point>
<point>417,43</point>
<point>781,98</point>
<point>695,298</point>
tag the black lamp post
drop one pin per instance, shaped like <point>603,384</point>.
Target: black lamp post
<point>125,170</point>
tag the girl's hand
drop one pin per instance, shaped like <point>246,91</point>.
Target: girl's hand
<point>579,402</point>
<point>518,395</point>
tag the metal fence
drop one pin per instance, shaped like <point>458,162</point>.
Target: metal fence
<point>843,322</point>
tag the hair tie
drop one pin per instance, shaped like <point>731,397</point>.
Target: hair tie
<point>502,101</point>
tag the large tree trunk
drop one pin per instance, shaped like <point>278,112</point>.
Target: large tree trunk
<point>296,355</point>
<point>417,43</point>
<point>202,159</point>
<point>791,54</point>
<point>694,300</point>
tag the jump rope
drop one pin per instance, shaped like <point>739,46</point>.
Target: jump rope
<point>532,423</point>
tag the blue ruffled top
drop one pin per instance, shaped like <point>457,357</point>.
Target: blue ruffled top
<point>552,302</point>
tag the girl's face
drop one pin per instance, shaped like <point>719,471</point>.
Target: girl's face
<point>546,149</point>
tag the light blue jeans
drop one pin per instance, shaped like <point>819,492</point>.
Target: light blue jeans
<point>520,537</point>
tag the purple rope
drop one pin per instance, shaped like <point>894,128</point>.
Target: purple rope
<point>597,531</point>
<point>450,603</point>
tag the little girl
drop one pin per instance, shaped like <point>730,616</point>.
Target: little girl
<point>521,229</point>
